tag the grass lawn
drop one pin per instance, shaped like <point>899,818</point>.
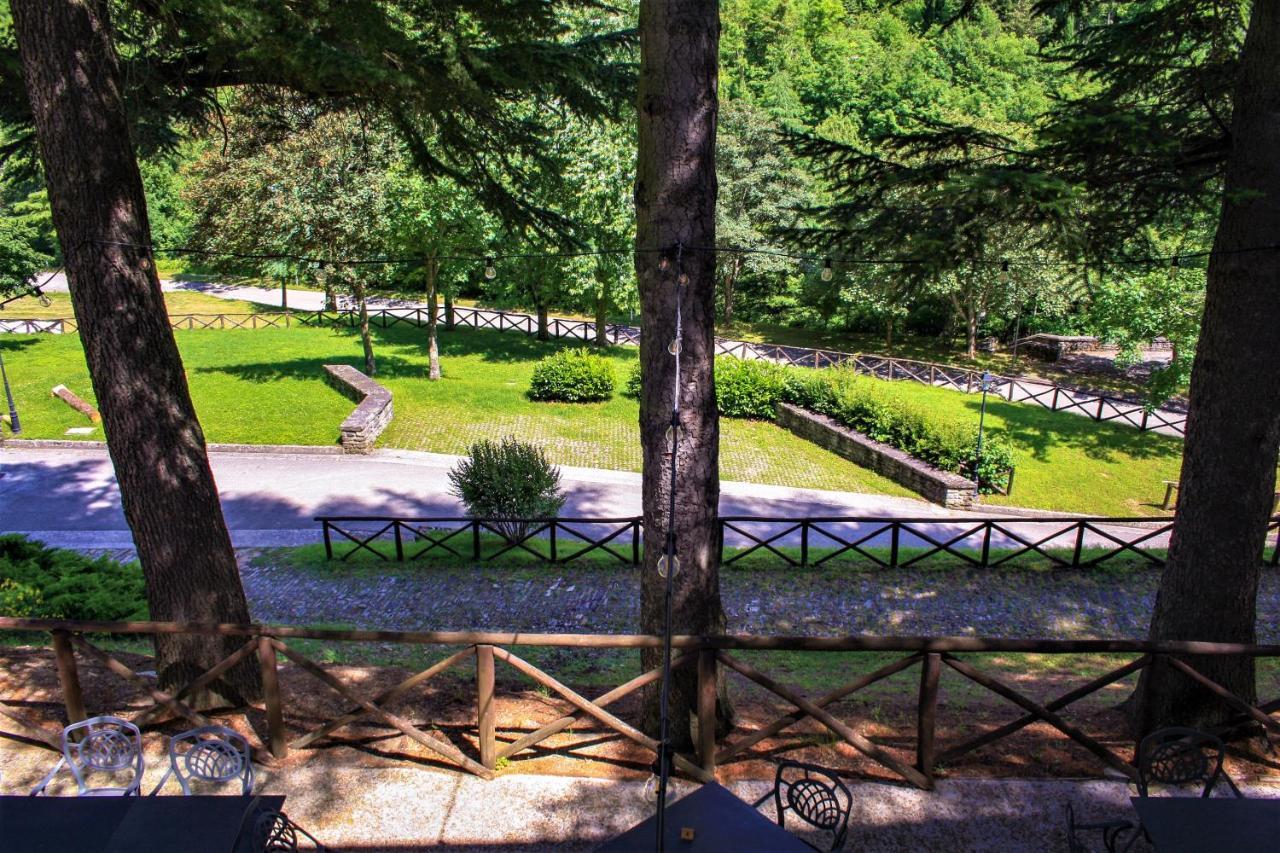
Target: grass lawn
<point>178,302</point>
<point>266,387</point>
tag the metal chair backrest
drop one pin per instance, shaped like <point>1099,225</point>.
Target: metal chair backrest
<point>101,745</point>
<point>1181,756</point>
<point>816,795</point>
<point>212,755</point>
<point>274,833</point>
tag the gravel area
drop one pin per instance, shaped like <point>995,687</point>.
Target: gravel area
<point>994,603</point>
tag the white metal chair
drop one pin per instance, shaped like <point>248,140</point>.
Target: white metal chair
<point>109,745</point>
<point>210,754</point>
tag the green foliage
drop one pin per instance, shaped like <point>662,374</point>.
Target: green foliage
<point>749,389</point>
<point>508,479</point>
<point>53,583</point>
<point>876,409</point>
<point>572,376</point>
<point>20,257</point>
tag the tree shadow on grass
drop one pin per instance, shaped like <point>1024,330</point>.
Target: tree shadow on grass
<point>1037,430</point>
<point>16,343</point>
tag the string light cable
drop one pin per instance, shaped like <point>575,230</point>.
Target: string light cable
<point>35,290</point>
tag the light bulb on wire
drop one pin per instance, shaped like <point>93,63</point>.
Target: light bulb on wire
<point>490,271</point>
<point>45,301</point>
<point>1174,266</point>
<point>1004,272</point>
<point>827,271</point>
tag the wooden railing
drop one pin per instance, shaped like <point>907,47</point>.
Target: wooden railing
<point>807,541</point>
<point>1098,407</point>
<point>708,654</point>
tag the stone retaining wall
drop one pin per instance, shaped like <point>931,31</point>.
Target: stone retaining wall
<point>363,426</point>
<point>941,487</point>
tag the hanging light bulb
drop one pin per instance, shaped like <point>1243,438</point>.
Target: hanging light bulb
<point>682,279</point>
<point>664,261</point>
<point>827,271</point>
<point>1174,266</point>
<point>663,566</point>
<point>45,301</point>
<point>674,346</point>
<point>490,271</point>
<point>1004,272</point>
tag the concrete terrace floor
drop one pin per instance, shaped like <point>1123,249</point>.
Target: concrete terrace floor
<point>411,808</point>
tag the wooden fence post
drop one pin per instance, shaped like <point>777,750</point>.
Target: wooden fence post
<point>707,709</point>
<point>927,714</point>
<point>804,541</point>
<point>271,691</point>
<point>68,677</point>
<point>486,713</point>
<point>328,540</point>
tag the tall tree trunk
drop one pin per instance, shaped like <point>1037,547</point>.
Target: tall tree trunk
<point>1209,587</point>
<point>448,310</point>
<point>888,333</point>
<point>157,447</point>
<point>330,295</point>
<point>675,205</point>
<point>730,284</point>
<point>366,337</point>
<point>433,308</point>
<point>543,322</point>
<point>969,313</point>
<point>602,307</point>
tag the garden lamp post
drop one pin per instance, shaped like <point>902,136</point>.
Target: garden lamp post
<point>987,380</point>
<point>14,425</point>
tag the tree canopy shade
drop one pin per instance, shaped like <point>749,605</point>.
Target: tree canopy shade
<point>454,77</point>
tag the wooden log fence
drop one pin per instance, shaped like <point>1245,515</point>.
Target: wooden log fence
<point>1098,407</point>
<point>714,656</point>
<point>890,543</point>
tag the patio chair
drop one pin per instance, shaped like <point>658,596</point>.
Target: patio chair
<point>273,832</point>
<point>109,745</point>
<point>1182,756</point>
<point>816,795</point>
<point>212,755</point>
<point>1113,832</point>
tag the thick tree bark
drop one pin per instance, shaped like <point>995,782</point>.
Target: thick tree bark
<point>433,308</point>
<point>1209,587</point>
<point>675,206</point>
<point>366,337</point>
<point>170,499</point>
<point>544,333</point>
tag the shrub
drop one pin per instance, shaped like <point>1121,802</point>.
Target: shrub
<point>508,480</point>
<point>875,409</point>
<point>572,376</point>
<point>749,389</point>
<point>632,386</point>
<point>54,583</point>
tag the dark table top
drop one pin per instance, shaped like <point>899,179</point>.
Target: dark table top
<point>1178,824</point>
<point>720,821</point>
<point>130,824</point>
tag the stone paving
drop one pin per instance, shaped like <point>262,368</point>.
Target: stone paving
<point>993,603</point>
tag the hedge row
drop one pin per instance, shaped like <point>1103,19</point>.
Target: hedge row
<point>873,407</point>
<point>52,583</point>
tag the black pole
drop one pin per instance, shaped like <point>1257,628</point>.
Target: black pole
<point>664,747</point>
<point>982,416</point>
<point>14,424</point>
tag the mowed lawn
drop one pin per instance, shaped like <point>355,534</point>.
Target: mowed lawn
<point>178,302</point>
<point>266,387</point>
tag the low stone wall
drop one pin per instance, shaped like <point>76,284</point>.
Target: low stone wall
<point>941,487</point>
<point>363,426</point>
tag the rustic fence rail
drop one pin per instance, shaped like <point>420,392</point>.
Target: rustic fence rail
<point>890,543</point>
<point>1098,407</point>
<point>915,763</point>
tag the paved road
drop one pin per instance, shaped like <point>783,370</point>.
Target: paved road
<point>69,497</point>
<point>1166,421</point>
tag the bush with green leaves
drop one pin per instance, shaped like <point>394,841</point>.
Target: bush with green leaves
<point>873,408</point>
<point>572,376</point>
<point>53,583</point>
<point>744,389</point>
<point>506,481</point>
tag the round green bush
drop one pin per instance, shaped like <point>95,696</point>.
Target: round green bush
<point>572,376</point>
<point>749,389</point>
<point>508,481</point>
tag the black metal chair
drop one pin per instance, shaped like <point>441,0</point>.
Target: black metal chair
<point>273,832</point>
<point>816,795</point>
<point>1181,757</point>
<point>100,745</point>
<point>1113,832</point>
<point>212,755</point>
